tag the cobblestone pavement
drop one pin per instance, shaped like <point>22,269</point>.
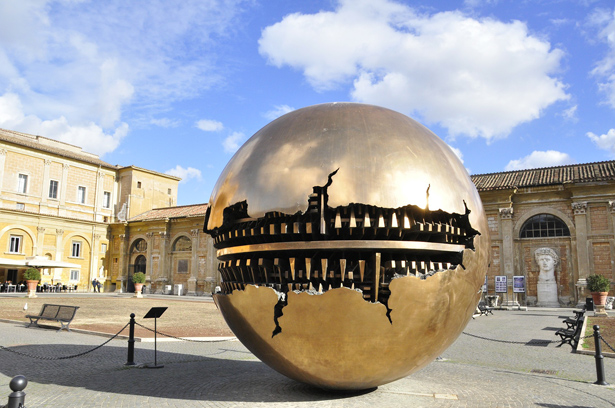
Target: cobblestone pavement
<point>473,372</point>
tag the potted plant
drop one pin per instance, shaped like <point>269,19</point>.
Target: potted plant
<point>599,287</point>
<point>138,279</point>
<point>32,276</point>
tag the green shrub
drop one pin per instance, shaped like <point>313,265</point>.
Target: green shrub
<point>598,283</point>
<point>138,277</point>
<point>32,274</point>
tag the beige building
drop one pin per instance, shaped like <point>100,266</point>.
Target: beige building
<point>58,202</point>
<point>569,210</point>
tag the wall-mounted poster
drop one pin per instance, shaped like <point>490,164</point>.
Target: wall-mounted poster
<point>519,284</point>
<point>485,285</point>
<point>500,284</point>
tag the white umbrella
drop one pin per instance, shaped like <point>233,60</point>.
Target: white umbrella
<point>12,262</point>
<point>43,262</point>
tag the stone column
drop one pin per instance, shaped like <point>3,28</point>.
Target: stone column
<point>194,264</point>
<point>580,221</point>
<point>163,274</point>
<point>508,267</point>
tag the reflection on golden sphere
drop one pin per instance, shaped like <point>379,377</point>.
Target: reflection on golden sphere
<point>352,245</point>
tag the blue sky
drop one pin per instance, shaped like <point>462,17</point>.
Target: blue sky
<point>178,86</point>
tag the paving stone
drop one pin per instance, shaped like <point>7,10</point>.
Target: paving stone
<point>473,372</point>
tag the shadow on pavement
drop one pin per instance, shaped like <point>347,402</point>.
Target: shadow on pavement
<point>184,376</point>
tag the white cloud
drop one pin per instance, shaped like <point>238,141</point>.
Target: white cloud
<point>83,63</point>
<point>570,114</point>
<point>89,136</point>
<point>233,142</point>
<point>477,77</point>
<point>165,122</point>
<point>277,111</point>
<point>476,3</point>
<point>185,174</point>
<point>604,70</point>
<point>605,141</point>
<point>538,159</point>
<point>207,125</point>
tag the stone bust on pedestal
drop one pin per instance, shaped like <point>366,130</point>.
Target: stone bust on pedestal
<point>547,260</point>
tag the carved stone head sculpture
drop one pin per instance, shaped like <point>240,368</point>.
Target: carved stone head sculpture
<point>547,261</point>
<point>352,245</point>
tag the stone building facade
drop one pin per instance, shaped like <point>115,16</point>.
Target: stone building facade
<point>169,246</point>
<point>569,209</point>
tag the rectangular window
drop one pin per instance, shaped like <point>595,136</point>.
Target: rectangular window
<point>81,194</point>
<point>74,275</point>
<point>15,244</point>
<point>53,189</point>
<point>20,206</point>
<point>169,191</point>
<point>103,248</point>
<point>138,184</point>
<point>106,199</point>
<point>76,249</point>
<point>23,184</point>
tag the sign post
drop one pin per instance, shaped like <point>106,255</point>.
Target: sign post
<point>518,287</point>
<point>155,313</point>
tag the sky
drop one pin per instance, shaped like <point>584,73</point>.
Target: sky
<point>178,86</point>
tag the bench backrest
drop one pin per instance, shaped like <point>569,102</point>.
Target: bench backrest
<point>49,311</point>
<point>66,313</point>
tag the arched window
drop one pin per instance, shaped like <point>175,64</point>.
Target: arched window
<point>544,226</point>
<point>182,243</point>
<point>139,246</point>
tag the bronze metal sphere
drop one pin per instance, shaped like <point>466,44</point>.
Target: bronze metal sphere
<point>351,242</point>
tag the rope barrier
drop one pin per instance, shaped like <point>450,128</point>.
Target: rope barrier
<point>62,357</point>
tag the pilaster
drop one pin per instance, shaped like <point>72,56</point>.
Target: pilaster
<point>580,221</point>
<point>45,187</point>
<point>2,161</point>
<point>194,265</point>
<point>40,239</point>
<point>506,217</point>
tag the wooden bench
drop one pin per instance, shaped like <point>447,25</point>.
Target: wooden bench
<point>58,313</point>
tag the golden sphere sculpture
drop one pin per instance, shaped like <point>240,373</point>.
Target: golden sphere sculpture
<point>352,245</point>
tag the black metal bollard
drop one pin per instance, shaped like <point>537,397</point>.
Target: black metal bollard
<point>17,399</point>
<point>599,357</point>
<point>131,341</point>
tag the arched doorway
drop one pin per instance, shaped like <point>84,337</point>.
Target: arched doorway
<point>139,263</point>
